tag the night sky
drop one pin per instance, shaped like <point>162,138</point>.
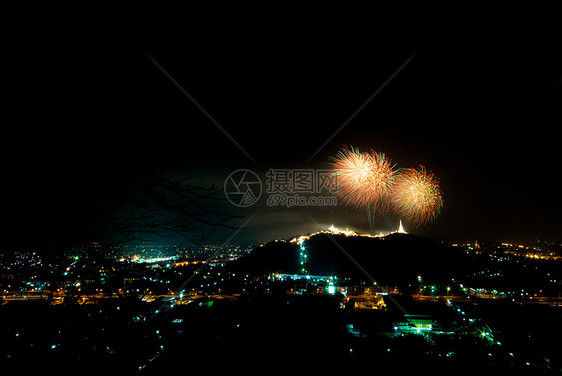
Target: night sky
<point>480,109</point>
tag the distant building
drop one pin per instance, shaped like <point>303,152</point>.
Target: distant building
<point>401,229</point>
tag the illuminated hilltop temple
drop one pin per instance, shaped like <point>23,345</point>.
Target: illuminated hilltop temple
<point>401,229</point>
<point>336,231</point>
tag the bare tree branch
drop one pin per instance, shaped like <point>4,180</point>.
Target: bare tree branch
<point>165,204</point>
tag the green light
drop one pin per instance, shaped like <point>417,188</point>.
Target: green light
<point>207,304</point>
<point>302,257</point>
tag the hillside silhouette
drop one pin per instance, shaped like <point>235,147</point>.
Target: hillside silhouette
<point>395,258</point>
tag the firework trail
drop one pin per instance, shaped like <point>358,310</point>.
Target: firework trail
<point>370,181</point>
<point>365,180</point>
<point>416,195</point>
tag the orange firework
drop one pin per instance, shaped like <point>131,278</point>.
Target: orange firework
<point>416,195</point>
<point>364,179</point>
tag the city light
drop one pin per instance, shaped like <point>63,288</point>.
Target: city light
<point>152,276</point>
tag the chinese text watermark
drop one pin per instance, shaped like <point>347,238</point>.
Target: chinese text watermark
<point>284,187</point>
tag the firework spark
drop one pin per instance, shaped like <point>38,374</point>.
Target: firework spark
<point>416,195</point>
<point>364,179</point>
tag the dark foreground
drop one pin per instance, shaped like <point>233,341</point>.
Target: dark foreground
<point>284,333</point>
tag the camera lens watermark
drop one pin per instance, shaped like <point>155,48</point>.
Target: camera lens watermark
<point>242,188</point>
<point>284,187</point>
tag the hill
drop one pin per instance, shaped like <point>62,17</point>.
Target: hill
<point>395,258</point>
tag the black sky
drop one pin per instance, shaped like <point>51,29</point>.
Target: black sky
<point>478,107</point>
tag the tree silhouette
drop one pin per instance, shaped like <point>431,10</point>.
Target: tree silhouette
<point>149,204</point>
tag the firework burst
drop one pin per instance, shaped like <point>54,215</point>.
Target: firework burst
<point>416,195</point>
<point>364,179</point>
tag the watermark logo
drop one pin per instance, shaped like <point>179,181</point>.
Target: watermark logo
<point>242,188</point>
<point>284,187</point>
